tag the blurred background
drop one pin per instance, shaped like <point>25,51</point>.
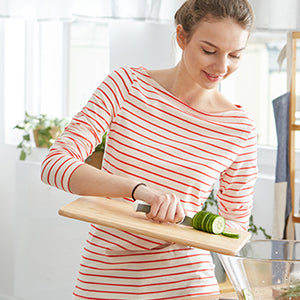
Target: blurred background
<point>53,55</point>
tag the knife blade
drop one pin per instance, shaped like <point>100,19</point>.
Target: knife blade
<point>141,206</point>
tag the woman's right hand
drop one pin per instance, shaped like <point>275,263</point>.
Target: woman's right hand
<point>165,207</point>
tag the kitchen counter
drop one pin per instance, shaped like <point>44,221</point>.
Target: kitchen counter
<point>224,296</point>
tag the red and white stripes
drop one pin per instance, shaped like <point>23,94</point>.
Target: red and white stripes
<point>160,140</point>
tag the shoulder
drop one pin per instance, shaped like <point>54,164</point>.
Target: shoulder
<point>242,113</point>
<point>131,73</point>
<point>222,104</point>
<point>128,76</point>
<point>235,112</point>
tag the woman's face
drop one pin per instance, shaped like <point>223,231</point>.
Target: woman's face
<point>213,52</point>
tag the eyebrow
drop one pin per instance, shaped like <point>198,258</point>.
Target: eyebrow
<point>212,45</point>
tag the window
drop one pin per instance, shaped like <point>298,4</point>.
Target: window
<point>50,67</point>
<point>13,71</point>
<point>88,61</point>
<point>34,70</point>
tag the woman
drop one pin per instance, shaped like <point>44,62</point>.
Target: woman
<point>171,136</point>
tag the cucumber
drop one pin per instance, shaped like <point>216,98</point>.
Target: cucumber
<point>231,234</point>
<point>209,222</point>
<point>218,225</point>
<point>247,294</point>
<point>208,225</point>
<point>203,221</point>
<point>198,220</point>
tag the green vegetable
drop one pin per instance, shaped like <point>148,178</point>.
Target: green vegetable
<point>292,292</point>
<point>231,234</point>
<point>212,223</point>
<point>247,294</point>
<point>208,222</point>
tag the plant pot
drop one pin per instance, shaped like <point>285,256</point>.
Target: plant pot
<point>95,159</point>
<point>44,141</point>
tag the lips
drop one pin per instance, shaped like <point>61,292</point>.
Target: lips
<point>213,77</point>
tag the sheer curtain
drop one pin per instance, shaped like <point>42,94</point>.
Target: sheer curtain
<point>36,9</point>
<point>276,14</point>
<point>152,10</point>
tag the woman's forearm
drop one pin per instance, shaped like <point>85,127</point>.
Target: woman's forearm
<point>89,181</point>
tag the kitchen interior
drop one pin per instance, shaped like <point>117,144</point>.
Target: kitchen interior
<point>53,54</point>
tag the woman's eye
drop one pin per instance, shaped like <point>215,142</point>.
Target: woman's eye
<point>235,56</point>
<point>208,52</point>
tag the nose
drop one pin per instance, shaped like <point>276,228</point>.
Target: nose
<point>221,65</point>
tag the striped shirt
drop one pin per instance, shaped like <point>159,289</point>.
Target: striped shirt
<point>158,139</point>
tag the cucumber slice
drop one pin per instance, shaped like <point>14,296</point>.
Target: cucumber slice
<point>205,217</point>
<point>231,234</point>
<point>209,222</point>
<point>199,219</point>
<point>218,225</point>
<point>247,294</point>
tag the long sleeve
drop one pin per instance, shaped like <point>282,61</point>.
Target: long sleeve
<point>84,132</point>
<point>235,194</point>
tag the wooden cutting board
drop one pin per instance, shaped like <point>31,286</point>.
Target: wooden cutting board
<point>121,215</point>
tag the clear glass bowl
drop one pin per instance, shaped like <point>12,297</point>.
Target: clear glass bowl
<point>265,269</point>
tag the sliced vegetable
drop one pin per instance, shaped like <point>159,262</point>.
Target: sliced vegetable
<point>247,294</point>
<point>209,222</point>
<point>232,235</point>
<point>218,225</point>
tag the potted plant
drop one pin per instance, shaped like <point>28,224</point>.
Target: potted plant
<point>44,130</point>
<point>95,159</point>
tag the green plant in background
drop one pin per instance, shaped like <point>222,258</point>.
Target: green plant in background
<point>212,202</point>
<point>96,158</point>
<point>101,146</point>
<point>254,229</point>
<point>292,292</point>
<point>43,128</point>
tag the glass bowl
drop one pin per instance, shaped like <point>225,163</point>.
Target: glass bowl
<point>265,269</point>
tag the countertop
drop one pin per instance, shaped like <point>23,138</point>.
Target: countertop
<point>228,296</point>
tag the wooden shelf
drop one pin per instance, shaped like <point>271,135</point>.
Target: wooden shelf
<point>296,35</point>
<point>293,127</point>
<point>296,219</point>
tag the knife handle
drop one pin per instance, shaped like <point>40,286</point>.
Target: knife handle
<point>141,206</point>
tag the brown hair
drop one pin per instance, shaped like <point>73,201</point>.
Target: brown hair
<point>194,11</point>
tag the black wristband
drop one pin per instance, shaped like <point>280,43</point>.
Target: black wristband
<point>134,189</point>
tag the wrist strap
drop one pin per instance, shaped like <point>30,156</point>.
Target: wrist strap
<point>134,189</point>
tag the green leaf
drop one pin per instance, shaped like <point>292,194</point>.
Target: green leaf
<point>22,155</point>
<point>101,146</point>
<point>26,137</point>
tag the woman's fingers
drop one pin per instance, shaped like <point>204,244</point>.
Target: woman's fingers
<point>179,213</point>
<point>167,209</point>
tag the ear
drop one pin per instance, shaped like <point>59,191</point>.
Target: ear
<point>180,36</point>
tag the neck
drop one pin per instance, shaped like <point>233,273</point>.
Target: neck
<point>185,89</point>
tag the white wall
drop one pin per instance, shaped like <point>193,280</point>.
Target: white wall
<point>40,250</point>
<point>135,43</point>
<point>8,195</point>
